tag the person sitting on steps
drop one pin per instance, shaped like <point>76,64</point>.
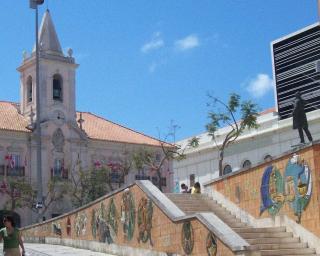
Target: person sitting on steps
<point>196,189</point>
<point>184,188</point>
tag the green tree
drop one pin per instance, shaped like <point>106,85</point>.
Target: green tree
<point>226,117</point>
<point>57,189</point>
<point>155,161</point>
<point>88,185</point>
<point>18,192</point>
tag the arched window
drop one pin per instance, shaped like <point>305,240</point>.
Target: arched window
<point>246,164</point>
<point>267,158</point>
<point>57,88</point>
<point>57,168</point>
<point>227,169</point>
<point>29,89</point>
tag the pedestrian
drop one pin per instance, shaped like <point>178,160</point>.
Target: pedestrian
<point>196,189</point>
<point>11,238</point>
<point>184,188</point>
<point>300,121</point>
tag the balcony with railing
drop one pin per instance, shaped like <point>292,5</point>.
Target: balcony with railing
<point>116,177</point>
<point>61,173</point>
<point>17,171</point>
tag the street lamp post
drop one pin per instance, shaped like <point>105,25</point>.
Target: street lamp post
<point>34,5</point>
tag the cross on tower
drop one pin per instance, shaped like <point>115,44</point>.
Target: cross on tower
<point>80,121</point>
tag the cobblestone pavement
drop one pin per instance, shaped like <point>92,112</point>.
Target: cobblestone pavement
<point>56,250</point>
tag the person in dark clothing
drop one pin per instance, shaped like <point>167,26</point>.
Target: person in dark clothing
<point>300,121</point>
<point>184,188</point>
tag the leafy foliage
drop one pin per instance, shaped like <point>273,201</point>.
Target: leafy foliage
<point>88,185</point>
<point>246,110</point>
<point>193,142</point>
<point>20,193</point>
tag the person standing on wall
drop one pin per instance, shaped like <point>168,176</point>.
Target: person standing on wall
<point>11,238</point>
<point>299,118</point>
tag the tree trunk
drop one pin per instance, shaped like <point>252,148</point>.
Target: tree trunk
<point>13,204</point>
<point>221,156</point>
<point>159,182</point>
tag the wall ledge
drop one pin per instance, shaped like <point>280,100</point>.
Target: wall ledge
<point>97,246</point>
<point>243,170</point>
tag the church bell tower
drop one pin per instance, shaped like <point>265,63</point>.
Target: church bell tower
<point>57,79</point>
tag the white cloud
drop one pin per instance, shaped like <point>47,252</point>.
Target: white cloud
<point>260,85</point>
<point>187,43</point>
<point>155,43</point>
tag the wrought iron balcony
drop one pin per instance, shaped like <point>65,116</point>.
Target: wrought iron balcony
<point>18,171</point>
<point>142,177</point>
<point>63,173</point>
<point>116,177</point>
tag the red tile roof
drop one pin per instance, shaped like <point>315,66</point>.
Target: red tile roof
<point>101,129</point>
<point>95,127</point>
<point>10,118</point>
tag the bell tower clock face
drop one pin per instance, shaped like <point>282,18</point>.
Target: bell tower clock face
<point>58,117</point>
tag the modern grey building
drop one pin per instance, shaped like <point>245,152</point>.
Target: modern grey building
<point>296,61</point>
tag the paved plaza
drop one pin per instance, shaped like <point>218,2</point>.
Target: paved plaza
<point>56,250</point>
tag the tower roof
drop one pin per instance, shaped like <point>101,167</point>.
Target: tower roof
<point>48,39</point>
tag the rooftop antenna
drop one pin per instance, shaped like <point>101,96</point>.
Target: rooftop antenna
<point>319,10</point>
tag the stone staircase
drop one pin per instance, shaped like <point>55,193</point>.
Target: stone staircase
<point>269,241</point>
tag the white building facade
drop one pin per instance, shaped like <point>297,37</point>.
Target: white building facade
<point>272,138</point>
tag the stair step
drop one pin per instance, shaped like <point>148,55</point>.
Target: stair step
<point>254,241</point>
<point>302,251</point>
<point>269,241</point>
<point>237,225</point>
<point>278,246</point>
<point>266,235</point>
<point>260,230</point>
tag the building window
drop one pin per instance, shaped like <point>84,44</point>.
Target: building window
<point>13,161</point>
<point>29,89</point>
<point>246,164</point>
<point>267,158</point>
<point>58,168</point>
<point>158,157</point>
<point>227,169</point>
<point>163,181</point>
<point>57,88</point>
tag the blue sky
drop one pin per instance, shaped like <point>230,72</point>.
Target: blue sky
<point>144,63</point>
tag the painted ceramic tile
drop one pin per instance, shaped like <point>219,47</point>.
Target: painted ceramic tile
<point>56,228</point>
<point>81,223</point>
<point>295,188</point>
<point>128,214</point>
<point>145,212</point>
<point>187,237</point>
<point>272,192</point>
<point>211,245</point>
